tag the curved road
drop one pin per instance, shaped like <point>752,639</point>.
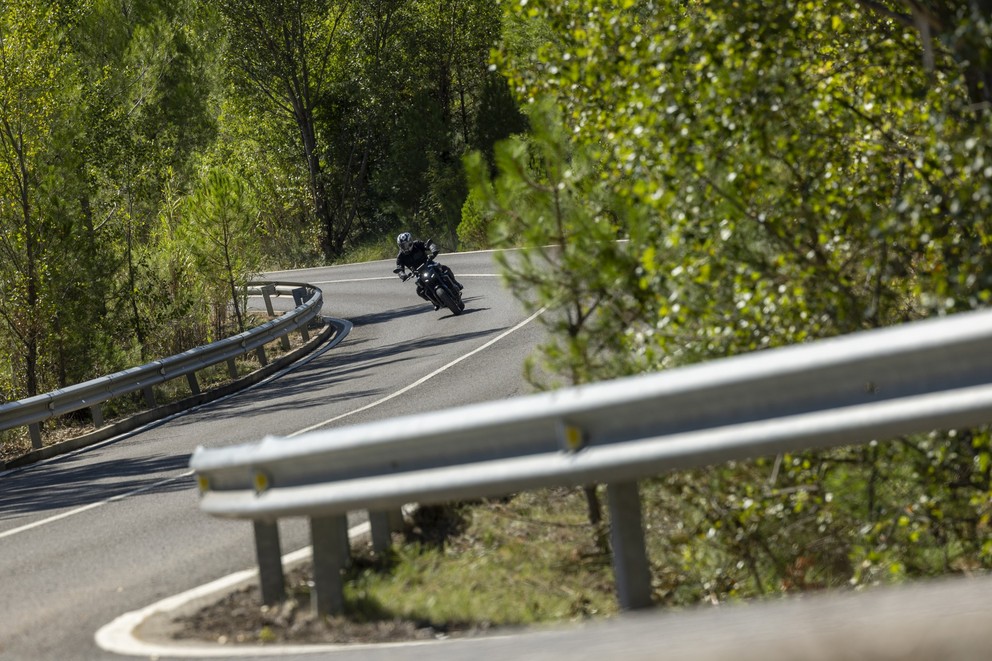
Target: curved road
<point>113,528</point>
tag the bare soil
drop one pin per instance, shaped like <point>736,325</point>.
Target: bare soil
<point>240,617</point>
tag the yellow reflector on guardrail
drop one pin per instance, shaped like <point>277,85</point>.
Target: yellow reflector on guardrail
<point>571,437</point>
<point>261,481</point>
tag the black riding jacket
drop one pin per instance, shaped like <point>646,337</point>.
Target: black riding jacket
<point>418,256</point>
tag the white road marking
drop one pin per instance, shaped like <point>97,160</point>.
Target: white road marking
<point>118,636</point>
<point>344,327</point>
<point>119,497</point>
<point>413,385</point>
<point>86,508</point>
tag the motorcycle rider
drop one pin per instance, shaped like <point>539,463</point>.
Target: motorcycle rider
<point>413,255</point>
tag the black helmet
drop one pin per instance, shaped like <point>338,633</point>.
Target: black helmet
<point>405,241</point>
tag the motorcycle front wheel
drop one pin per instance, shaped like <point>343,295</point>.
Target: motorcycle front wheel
<point>448,300</point>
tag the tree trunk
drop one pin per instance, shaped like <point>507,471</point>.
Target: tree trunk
<point>30,276</point>
<point>132,281</point>
<point>318,190</point>
<point>231,279</point>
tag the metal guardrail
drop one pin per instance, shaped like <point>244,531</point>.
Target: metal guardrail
<point>31,412</point>
<point>878,384</point>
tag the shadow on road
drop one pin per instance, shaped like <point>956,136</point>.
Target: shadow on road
<point>390,315</point>
<point>61,485</point>
<point>337,377</point>
<point>413,310</point>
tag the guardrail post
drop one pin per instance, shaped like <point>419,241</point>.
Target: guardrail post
<point>630,559</point>
<point>149,396</point>
<point>329,536</point>
<point>396,519</point>
<point>267,291</point>
<point>271,580</point>
<point>96,413</point>
<point>381,529</point>
<point>33,411</point>
<point>35,430</point>
<point>300,297</point>
<point>260,353</point>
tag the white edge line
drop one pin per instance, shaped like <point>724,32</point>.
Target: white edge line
<point>421,380</point>
<point>101,503</point>
<point>344,328</point>
<point>118,636</point>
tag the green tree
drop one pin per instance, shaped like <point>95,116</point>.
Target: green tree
<point>102,103</point>
<point>548,199</point>
<point>457,36</point>
<point>34,70</point>
<point>163,75</point>
<point>784,172</point>
<point>956,28</point>
<point>281,56</point>
<point>432,98</point>
<point>221,221</point>
<point>365,112</point>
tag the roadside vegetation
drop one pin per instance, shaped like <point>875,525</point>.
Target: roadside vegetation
<point>716,178</point>
<point>16,444</point>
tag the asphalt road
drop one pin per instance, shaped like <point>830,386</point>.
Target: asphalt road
<point>114,532</point>
<point>113,528</point>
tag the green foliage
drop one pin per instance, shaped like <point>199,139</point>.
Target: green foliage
<point>37,81</point>
<point>793,191</point>
<point>281,63</point>
<point>119,103</point>
<point>507,567</point>
<point>432,102</point>
<point>908,509</point>
<point>548,199</point>
<point>499,117</point>
<point>473,231</point>
<point>350,126</point>
<point>784,172</point>
<point>253,145</point>
<point>222,229</point>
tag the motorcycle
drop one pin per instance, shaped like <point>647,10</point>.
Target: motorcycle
<point>436,284</point>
